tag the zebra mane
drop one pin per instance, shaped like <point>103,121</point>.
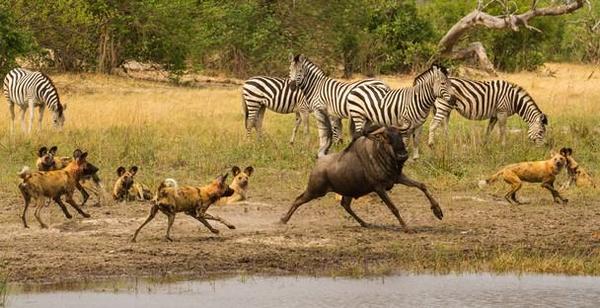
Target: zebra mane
<point>59,106</point>
<point>523,97</point>
<point>422,76</point>
<point>308,63</point>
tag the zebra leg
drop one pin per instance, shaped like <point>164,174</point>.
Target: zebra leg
<point>305,116</point>
<point>441,115</point>
<point>41,116</point>
<point>296,125</point>
<point>324,127</point>
<point>23,125</point>
<point>11,109</point>
<point>490,128</point>
<point>502,117</point>
<point>336,126</point>
<point>31,115</point>
<point>415,137</point>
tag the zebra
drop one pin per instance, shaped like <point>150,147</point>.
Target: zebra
<point>405,107</point>
<point>495,100</point>
<point>326,97</point>
<point>30,89</point>
<point>260,92</point>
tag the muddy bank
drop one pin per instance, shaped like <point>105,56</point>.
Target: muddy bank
<point>478,233</point>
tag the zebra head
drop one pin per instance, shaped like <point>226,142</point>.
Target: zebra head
<point>537,129</point>
<point>437,77</point>
<point>296,70</point>
<point>58,116</point>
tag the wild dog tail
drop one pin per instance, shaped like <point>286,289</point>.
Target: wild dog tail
<point>25,173</point>
<point>164,184</point>
<point>489,180</point>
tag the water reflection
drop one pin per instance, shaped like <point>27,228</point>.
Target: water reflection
<point>471,290</point>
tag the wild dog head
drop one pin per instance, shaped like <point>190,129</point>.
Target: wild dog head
<point>218,188</point>
<point>241,177</point>
<point>559,160</point>
<point>46,158</point>
<point>124,182</point>
<point>80,165</point>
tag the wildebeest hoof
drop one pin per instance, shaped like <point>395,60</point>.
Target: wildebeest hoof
<point>367,225</point>
<point>168,239</point>
<point>133,240</point>
<point>86,215</point>
<point>44,226</point>
<point>215,231</point>
<point>69,216</point>
<point>282,221</point>
<point>231,227</point>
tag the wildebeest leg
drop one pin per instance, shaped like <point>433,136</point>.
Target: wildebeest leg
<point>303,198</point>
<point>153,212</point>
<point>69,199</point>
<point>435,206</point>
<point>203,221</point>
<point>346,201</point>
<point>83,192</point>
<point>386,199</point>
<point>325,133</point>
<point>217,218</point>
<point>62,207</point>
<point>555,195</point>
<point>38,209</point>
<point>171,219</point>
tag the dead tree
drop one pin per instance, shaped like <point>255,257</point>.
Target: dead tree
<point>508,20</point>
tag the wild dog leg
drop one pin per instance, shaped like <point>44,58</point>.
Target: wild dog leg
<point>62,207</point>
<point>83,192</point>
<point>217,218</point>
<point>27,198</point>
<point>435,206</point>
<point>171,219</point>
<point>345,203</point>
<point>153,212</point>
<point>386,199</point>
<point>69,199</point>
<point>555,195</point>
<point>203,221</point>
<point>38,209</point>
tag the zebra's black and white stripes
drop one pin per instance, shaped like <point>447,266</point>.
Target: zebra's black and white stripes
<point>495,100</point>
<point>29,89</point>
<point>407,107</point>
<point>326,96</point>
<point>261,93</point>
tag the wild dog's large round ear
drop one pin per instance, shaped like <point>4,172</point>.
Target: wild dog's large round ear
<point>249,170</point>
<point>223,177</point>
<point>133,170</point>
<point>564,152</point>
<point>120,171</point>
<point>235,170</point>
<point>53,150</point>
<point>83,156</point>
<point>569,151</point>
<point>42,151</point>
<point>77,153</point>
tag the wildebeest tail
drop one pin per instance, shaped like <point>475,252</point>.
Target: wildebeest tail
<point>25,173</point>
<point>490,180</point>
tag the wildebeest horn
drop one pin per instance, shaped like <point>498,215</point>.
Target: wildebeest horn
<point>378,131</point>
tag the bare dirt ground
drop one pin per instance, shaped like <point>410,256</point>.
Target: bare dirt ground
<point>480,232</point>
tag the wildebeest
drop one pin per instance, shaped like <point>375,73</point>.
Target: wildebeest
<point>372,162</point>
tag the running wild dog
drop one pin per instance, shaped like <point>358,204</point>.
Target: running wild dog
<point>126,188</point>
<point>48,161</point>
<point>544,172</point>
<point>53,184</point>
<point>373,162</point>
<point>194,201</point>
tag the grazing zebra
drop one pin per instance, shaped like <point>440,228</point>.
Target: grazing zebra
<point>259,93</point>
<point>326,97</point>
<point>495,100</point>
<point>29,89</point>
<point>406,107</point>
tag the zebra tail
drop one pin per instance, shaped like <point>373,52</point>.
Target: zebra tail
<point>245,111</point>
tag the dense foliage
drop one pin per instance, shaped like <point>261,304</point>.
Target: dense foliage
<point>243,38</point>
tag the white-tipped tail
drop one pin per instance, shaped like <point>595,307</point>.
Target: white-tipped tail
<point>170,183</point>
<point>25,172</point>
<point>482,184</point>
